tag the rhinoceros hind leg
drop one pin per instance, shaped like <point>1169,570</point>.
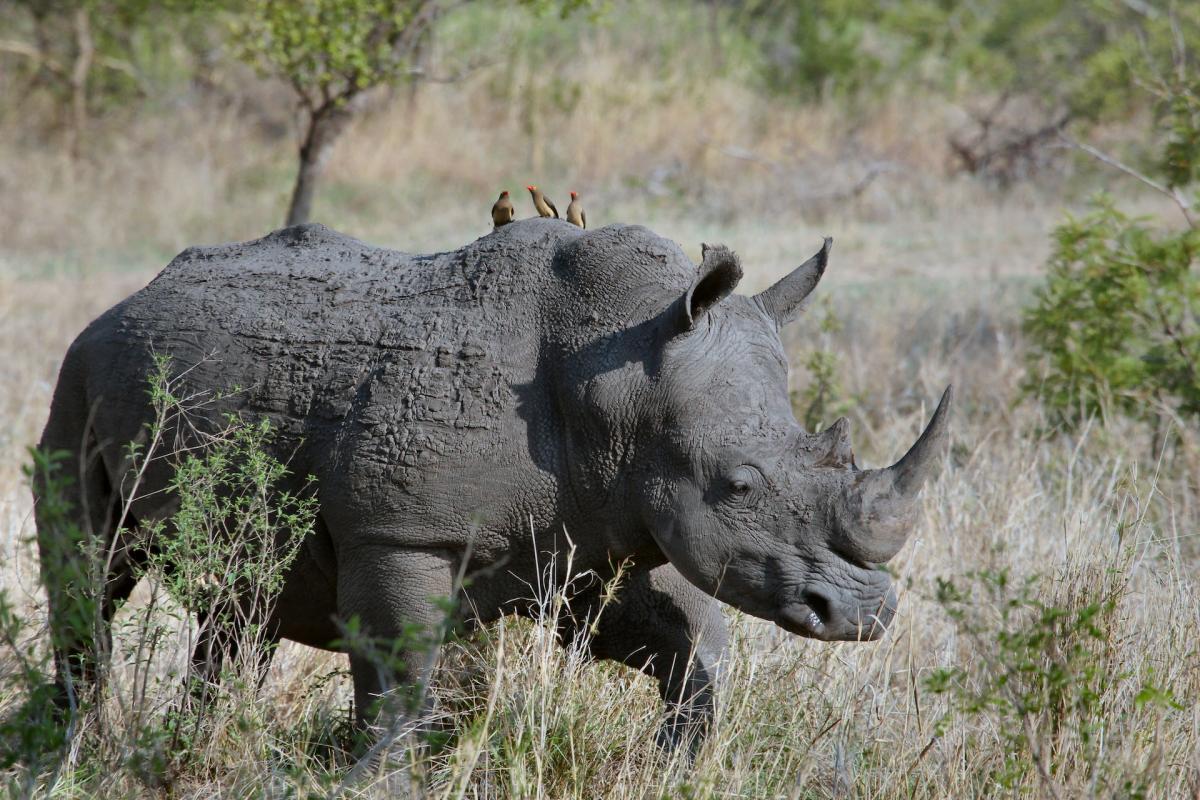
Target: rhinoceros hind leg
<point>87,566</point>
<point>394,606</point>
<point>222,638</point>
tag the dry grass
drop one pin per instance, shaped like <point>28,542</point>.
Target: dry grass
<point>928,275</point>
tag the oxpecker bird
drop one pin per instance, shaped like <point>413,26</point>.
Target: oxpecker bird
<point>503,210</point>
<point>575,213</point>
<point>544,205</point>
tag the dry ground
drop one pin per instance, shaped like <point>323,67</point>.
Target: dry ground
<point>927,277</point>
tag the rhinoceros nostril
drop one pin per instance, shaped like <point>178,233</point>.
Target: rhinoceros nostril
<point>819,605</point>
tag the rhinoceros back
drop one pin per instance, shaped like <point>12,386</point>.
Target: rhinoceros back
<point>413,359</point>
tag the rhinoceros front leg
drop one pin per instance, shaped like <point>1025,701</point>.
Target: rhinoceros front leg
<point>393,603</point>
<point>222,629</point>
<point>667,628</point>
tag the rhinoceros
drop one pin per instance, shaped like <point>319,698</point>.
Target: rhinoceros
<point>462,411</point>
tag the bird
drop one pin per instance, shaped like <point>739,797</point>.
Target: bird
<point>575,213</point>
<point>544,205</point>
<point>503,211</point>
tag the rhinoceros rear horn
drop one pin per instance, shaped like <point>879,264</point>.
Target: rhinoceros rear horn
<point>716,278</point>
<point>884,498</point>
<point>784,300</point>
<point>833,444</point>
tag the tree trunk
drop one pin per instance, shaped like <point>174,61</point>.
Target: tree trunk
<point>533,130</point>
<point>325,125</point>
<point>84,52</point>
<point>714,35</point>
<point>421,59</point>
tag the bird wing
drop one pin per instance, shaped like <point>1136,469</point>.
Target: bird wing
<point>583,217</point>
<point>550,203</point>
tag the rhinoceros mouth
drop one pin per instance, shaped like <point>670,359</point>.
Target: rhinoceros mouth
<point>814,617</point>
<point>801,620</point>
<point>807,617</point>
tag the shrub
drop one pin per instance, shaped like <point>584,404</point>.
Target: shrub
<point>1114,329</point>
<point>824,399</point>
<point>232,538</point>
<point>1045,674</point>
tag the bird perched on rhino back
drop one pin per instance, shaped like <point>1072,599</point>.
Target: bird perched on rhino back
<point>503,210</point>
<point>544,205</point>
<point>575,212</point>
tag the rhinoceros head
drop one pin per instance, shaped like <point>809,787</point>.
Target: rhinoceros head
<point>750,507</point>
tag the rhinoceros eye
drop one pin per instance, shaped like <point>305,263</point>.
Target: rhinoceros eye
<point>744,483</point>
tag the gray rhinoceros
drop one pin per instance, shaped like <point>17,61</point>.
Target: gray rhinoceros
<point>478,404</point>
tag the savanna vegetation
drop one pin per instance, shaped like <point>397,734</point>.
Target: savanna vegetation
<point>1011,186</point>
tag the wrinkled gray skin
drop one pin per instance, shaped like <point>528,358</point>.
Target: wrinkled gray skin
<point>451,406</point>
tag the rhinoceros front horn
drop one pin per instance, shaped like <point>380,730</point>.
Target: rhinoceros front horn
<point>909,473</point>
<point>883,499</point>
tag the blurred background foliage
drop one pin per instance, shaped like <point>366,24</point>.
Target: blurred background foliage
<point>727,114</point>
<point>1026,69</point>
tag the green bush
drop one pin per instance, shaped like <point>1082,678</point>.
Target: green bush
<point>221,557</point>
<point>1114,328</point>
<point>1065,54</point>
<point>824,399</point>
<point>233,529</point>
<point>815,49</point>
<point>1070,58</point>
<point>1044,675</point>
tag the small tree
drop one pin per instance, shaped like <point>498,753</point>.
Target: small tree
<point>823,399</point>
<point>81,52</point>
<point>332,53</point>
<point>1115,328</point>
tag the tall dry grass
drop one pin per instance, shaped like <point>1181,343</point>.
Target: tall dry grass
<point>797,718</point>
<point>928,273</point>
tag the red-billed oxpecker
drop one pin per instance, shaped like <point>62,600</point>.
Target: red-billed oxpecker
<point>575,213</point>
<point>503,210</point>
<point>544,205</point>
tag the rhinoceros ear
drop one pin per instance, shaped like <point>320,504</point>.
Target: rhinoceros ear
<point>784,300</point>
<point>716,278</point>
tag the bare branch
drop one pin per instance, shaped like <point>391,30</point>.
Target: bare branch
<point>419,73</point>
<point>21,49</point>
<point>14,47</point>
<point>1141,7</point>
<point>302,96</point>
<point>998,149</point>
<point>1174,194</point>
